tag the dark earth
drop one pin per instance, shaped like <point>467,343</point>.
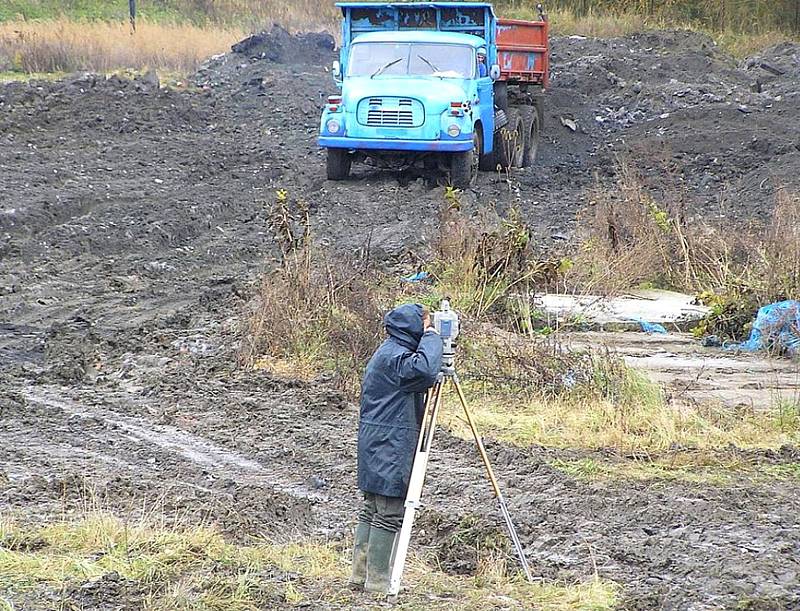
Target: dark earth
<point>133,224</point>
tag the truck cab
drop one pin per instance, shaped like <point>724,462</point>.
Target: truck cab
<point>418,84</point>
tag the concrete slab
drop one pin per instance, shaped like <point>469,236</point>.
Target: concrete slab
<point>675,311</point>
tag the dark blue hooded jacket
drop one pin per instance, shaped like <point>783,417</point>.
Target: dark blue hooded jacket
<point>393,403</point>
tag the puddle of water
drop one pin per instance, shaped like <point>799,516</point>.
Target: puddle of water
<point>679,362</point>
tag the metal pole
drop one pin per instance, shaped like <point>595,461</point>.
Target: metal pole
<point>512,531</point>
<point>417,480</point>
<point>415,484</point>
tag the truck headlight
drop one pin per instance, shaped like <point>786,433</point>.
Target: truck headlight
<point>453,131</point>
<point>332,126</point>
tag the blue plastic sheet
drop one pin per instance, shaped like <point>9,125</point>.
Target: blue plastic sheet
<point>651,327</point>
<point>418,277</point>
<point>777,327</point>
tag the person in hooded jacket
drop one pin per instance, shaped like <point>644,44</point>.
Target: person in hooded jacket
<point>406,364</point>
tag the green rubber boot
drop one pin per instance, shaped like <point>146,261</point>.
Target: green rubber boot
<point>360,544</point>
<point>379,560</point>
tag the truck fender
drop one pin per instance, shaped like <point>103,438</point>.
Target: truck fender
<point>486,135</point>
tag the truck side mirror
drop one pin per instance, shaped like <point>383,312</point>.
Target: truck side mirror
<point>494,72</point>
<point>337,70</point>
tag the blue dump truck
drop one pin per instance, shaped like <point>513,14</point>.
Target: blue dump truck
<point>444,84</point>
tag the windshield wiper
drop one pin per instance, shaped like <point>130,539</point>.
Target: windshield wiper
<point>385,66</point>
<point>430,64</point>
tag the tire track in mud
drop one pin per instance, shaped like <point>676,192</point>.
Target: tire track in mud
<point>202,452</point>
<point>59,452</point>
<point>667,544</point>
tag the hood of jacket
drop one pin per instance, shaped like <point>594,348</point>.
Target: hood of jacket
<point>404,324</point>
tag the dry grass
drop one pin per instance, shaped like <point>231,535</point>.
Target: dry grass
<point>624,411</point>
<point>631,239</point>
<point>312,316</point>
<point>194,568</point>
<point>742,45</point>
<point>178,35</point>
<point>314,313</point>
<point>594,24</point>
<point>248,14</point>
<point>67,46</point>
<point>692,468</point>
<point>616,23</point>
<point>184,36</point>
<point>294,15</point>
<point>337,302</point>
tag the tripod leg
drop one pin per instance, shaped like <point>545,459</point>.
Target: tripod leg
<point>415,486</point>
<point>500,499</point>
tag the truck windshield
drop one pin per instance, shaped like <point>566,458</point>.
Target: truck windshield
<point>374,59</point>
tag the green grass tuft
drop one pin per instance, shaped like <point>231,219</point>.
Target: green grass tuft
<point>194,569</point>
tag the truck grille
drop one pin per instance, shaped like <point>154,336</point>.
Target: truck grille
<point>399,118</point>
<point>391,112</point>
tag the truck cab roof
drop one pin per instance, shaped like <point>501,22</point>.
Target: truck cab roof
<point>427,36</point>
<point>406,5</point>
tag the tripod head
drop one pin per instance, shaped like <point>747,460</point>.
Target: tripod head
<point>446,322</point>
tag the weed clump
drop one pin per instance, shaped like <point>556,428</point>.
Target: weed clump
<point>314,313</point>
<point>319,313</point>
<point>632,240</point>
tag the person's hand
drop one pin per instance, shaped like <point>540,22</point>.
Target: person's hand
<point>426,322</point>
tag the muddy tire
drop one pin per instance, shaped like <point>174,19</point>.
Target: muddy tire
<point>509,142</point>
<point>533,128</point>
<point>464,166</point>
<point>338,166</point>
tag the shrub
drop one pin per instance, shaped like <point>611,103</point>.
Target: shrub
<point>313,311</point>
<point>630,240</point>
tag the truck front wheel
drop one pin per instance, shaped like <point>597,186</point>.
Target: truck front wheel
<point>339,161</point>
<point>464,166</point>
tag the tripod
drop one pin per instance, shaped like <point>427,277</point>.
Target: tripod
<point>432,405</point>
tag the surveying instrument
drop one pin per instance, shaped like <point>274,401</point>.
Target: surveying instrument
<point>446,323</point>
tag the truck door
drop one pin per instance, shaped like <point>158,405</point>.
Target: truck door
<point>485,106</point>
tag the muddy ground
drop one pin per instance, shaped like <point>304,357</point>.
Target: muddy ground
<point>133,222</point>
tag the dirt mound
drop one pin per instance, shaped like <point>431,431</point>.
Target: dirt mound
<point>625,81</point>
<point>277,45</point>
<point>701,130</point>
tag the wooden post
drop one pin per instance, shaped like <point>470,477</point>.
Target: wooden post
<point>797,16</point>
<point>132,13</point>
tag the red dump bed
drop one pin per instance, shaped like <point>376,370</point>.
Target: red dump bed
<point>523,52</point>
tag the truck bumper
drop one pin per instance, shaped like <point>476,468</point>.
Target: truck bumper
<point>432,146</point>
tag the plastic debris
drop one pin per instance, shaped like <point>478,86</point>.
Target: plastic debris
<point>777,327</point>
<point>570,123</point>
<point>418,277</point>
<point>649,327</point>
<point>711,341</point>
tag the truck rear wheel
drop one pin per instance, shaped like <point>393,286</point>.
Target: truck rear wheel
<point>464,166</point>
<point>339,161</point>
<point>533,128</point>
<point>509,142</point>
